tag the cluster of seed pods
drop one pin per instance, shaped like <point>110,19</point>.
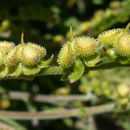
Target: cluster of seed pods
<point>28,59</point>
<point>114,43</point>
<point>23,59</point>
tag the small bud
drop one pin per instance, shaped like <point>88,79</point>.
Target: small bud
<point>66,56</point>
<point>85,46</point>
<point>107,38</point>
<point>6,46</point>
<point>122,45</point>
<point>29,56</point>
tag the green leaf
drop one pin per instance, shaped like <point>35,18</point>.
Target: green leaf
<point>3,71</point>
<point>44,64</point>
<point>78,70</point>
<point>12,124</point>
<point>17,71</point>
<point>30,70</point>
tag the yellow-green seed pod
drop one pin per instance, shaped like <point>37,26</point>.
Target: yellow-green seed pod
<point>2,54</point>
<point>85,46</point>
<point>12,59</point>
<point>19,51</point>
<point>39,49</point>
<point>6,46</point>
<point>29,56</point>
<point>122,45</point>
<point>66,56</point>
<point>107,38</point>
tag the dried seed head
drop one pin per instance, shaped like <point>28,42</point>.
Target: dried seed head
<point>66,56</point>
<point>107,38</point>
<point>85,46</point>
<point>29,56</point>
<point>39,49</point>
<point>6,46</point>
<point>122,45</point>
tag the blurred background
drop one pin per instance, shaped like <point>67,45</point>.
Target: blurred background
<point>47,22</point>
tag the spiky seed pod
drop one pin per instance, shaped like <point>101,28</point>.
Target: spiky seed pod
<point>66,56</point>
<point>12,58</point>
<point>1,57</point>
<point>107,38</point>
<point>122,45</point>
<point>19,51</point>
<point>29,56</point>
<point>39,49</point>
<point>85,46</point>
<point>6,46</point>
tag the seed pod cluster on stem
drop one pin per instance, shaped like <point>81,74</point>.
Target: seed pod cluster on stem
<point>81,47</point>
<point>28,58</point>
<point>110,45</point>
<point>23,59</point>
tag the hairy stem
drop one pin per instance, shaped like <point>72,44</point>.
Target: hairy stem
<point>57,70</point>
<point>59,114</point>
<point>47,98</point>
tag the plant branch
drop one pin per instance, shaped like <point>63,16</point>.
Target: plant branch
<point>57,70</point>
<point>59,114</point>
<point>47,98</point>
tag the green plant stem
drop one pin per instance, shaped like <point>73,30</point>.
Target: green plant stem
<point>57,70</point>
<point>59,114</point>
<point>47,98</point>
<point>52,70</point>
<point>110,65</point>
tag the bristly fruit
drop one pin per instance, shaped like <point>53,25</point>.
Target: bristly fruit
<point>12,59</point>
<point>66,56</point>
<point>107,38</point>
<point>29,56</point>
<point>85,46</point>
<point>1,57</point>
<point>39,49</point>
<point>122,45</point>
<point>6,46</point>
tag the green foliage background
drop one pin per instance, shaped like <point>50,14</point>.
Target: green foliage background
<point>47,23</point>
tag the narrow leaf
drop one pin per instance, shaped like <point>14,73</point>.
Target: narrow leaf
<point>78,70</point>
